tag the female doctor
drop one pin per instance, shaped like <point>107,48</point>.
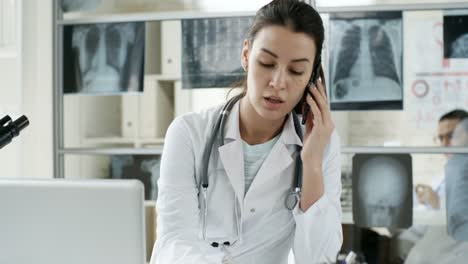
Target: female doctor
<point>237,183</point>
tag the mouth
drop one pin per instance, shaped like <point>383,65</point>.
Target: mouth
<point>274,99</point>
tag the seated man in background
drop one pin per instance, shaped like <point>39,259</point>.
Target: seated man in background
<point>449,244</point>
<point>434,196</point>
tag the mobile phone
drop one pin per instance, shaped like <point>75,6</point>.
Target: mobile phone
<point>312,81</point>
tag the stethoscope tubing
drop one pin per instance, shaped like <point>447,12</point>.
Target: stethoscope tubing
<point>219,127</point>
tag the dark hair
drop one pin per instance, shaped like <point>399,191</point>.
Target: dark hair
<point>297,16</point>
<point>458,114</point>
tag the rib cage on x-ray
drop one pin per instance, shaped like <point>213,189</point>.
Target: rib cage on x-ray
<point>380,49</point>
<point>382,56</point>
<point>211,50</point>
<point>104,57</point>
<point>114,52</point>
<point>349,52</point>
<point>365,59</point>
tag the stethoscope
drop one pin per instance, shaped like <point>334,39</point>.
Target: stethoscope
<point>293,197</point>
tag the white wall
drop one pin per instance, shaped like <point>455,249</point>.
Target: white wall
<point>10,86</point>
<point>10,104</point>
<point>26,88</point>
<point>37,148</point>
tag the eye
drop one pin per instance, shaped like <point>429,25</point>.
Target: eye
<point>296,72</point>
<point>266,65</point>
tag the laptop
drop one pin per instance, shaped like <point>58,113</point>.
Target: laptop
<point>72,222</point>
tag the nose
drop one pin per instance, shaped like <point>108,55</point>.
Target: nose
<point>279,79</point>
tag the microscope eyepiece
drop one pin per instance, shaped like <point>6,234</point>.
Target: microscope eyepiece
<point>10,129</point>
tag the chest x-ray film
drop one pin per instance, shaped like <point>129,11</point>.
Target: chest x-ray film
<point>105,58</point>
<point>382,190</point>
<point>79,5</point>
<point>456,183</point>
<point>144,168</point>
<point>211,49</point>
<point>366,55</point>
<point>456,34</point>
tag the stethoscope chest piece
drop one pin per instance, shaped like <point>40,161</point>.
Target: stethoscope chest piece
<point>292,199</point>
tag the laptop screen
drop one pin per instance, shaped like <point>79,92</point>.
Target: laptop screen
<point>72,221</point>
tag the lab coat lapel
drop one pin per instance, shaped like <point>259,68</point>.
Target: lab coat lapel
<point>233,162</point>
<point>279,159</point>
<point>231,153</point>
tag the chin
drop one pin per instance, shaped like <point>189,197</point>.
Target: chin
<point>272,115</point>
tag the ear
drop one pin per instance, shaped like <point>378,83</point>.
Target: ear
<point>245,55</point>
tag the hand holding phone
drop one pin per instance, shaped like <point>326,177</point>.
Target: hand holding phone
<point>312,82</point>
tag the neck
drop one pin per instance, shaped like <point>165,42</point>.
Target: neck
<point>253,128</point>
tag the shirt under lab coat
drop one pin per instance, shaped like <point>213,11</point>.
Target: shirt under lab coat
<point>268,230</point>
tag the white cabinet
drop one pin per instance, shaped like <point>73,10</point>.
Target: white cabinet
<point>171,48</point>
<point>133,120</point>
<point>146,116</point>
<point>188,100</point>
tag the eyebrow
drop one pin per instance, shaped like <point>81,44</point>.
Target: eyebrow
<point>276,56</point>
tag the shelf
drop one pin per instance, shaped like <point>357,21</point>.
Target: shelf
<point>420,217</point>
<point>149,16</point>
<point>150,77</point>
<point>344,149</point>
<point>150,203</point>
<point>164,77</point>
<point>403,150</point>
<point>121,140</point>
<point>107,140</point>
<point>393,7</point>
<point>177,15</point>
<point>157,150</point>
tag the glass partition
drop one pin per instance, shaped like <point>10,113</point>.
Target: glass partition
<point>431,86</point>
<point>433,185</point>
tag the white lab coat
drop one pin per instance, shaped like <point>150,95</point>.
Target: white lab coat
<point>268,229</point>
